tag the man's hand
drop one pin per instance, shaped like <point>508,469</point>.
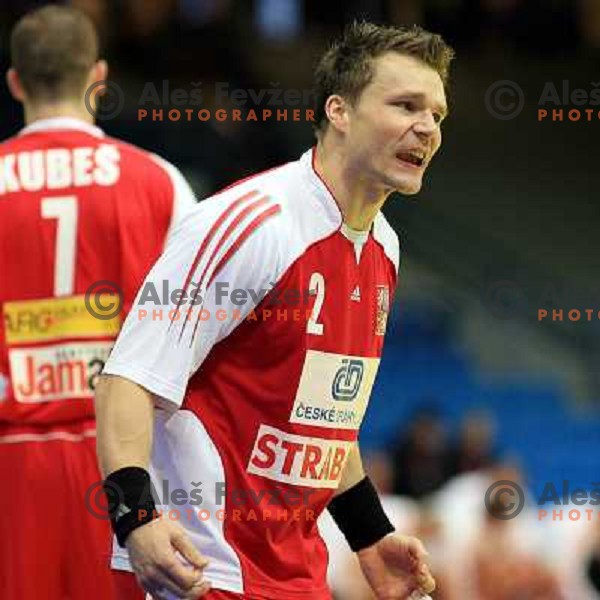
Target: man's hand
<point>395,568</point>
<point>156,551</point>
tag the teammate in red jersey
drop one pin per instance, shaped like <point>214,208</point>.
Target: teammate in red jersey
<point>76,207</point>
<point>238,402</point>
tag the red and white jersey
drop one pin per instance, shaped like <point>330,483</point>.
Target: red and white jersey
<point>263,354</point>
<point>76,207</point>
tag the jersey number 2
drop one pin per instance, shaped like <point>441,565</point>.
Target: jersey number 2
<point>317,287</point>
<point>64,210</point>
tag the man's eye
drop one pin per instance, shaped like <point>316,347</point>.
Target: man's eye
<point>406,105</point>
<point>438,117</point>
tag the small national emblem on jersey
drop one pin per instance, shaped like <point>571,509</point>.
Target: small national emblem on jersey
<point>383,308</point>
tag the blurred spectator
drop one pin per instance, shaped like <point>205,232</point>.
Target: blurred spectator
<point>577,556</point>
<point>474,448</point>
<point>502,570</point>
<point>378,466</point>
<point>486,558</point>
<point>421,457</point>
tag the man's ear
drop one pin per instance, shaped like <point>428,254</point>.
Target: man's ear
<point>336,109</point>
<point>96,83</point>
<point>15,86</point>
<point>99,72</point>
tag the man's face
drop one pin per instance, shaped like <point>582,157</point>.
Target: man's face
<point>394,126</point>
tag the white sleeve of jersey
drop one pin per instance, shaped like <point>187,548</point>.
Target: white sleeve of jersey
<point>218,248</point>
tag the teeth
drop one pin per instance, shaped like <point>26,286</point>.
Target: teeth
<point>415,156</point>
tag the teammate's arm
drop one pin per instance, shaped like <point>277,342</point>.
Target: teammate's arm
<point>124,420</point>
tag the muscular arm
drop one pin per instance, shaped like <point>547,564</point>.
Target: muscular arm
<point>124,415</point>
<point>353,471</point>
<point>124,418</point>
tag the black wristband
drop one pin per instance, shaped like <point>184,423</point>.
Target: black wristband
<point>130,502</point>
<point>359,515</point>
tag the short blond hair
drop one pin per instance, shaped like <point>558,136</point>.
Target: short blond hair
<point>347,67</point>
<point>53,49</point>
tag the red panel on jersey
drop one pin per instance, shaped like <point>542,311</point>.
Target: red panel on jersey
<point>75,208</point>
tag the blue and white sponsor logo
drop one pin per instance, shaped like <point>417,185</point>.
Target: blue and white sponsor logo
<point>347,380</point>
<point>334,390</point>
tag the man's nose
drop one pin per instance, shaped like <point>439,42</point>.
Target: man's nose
<point>425,124</point>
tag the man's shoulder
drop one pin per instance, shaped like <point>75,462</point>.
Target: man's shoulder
<point>132,155</point>
<point>273,213</point>
<point>8,145</point>
<point>136,161</point>
<point>272,191</point>
<point>249,210</point>
<point>153,176</point>
<point>281,180</point>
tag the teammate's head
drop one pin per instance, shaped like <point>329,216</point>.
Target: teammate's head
<point>54,53</point>
<point>380,95</point>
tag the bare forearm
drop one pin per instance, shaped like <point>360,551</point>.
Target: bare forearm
<point>124,417</point>
<point>353,471</point>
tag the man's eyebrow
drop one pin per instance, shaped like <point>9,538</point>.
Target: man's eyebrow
<point>420,96</point>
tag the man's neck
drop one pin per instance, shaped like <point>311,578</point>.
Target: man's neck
<point>356,197</point>
<point>59,109</point>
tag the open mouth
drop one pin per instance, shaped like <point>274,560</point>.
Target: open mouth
<point>414,158</point>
